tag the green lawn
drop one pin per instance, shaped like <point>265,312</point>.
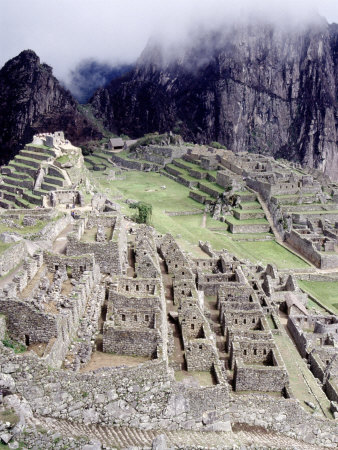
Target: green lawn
<point>272,252</point>
<point>146,186</point>
<point>324,291</point>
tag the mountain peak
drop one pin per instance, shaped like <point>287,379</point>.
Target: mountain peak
<point>32,100</point>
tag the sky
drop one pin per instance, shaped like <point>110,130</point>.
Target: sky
<point>65,32</point>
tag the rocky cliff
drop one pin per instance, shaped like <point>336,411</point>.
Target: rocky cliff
<point>32,100</point>
<point>254,87</point>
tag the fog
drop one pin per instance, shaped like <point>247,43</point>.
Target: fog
<point>64,33</point>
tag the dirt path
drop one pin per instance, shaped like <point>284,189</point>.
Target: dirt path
<point>204,220</point>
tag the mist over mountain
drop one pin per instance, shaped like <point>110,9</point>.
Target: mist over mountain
<point>256,86</point>
<point>32,100</point>
<point>89,75</point>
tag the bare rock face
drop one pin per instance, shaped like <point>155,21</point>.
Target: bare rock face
<point>256,87</point>
<point>32,100</point>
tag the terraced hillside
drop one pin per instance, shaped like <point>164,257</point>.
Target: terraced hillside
<point>20,185</point>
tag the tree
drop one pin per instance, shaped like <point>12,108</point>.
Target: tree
<point>144,212</point>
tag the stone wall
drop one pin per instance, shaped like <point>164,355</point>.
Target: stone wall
<point>12,256</point>
<point>145,396</point>
<point>259,378</point>
<point>3,327</point>
<point>212,192</point>
<point>172,171</point>
<point>128,164</point>
<point>197,197</point>
<point>200,355</point>
<point>51,231</point>
<point>110,255</point>
<point>27,325</point>
<point>126,341</point>
<point>306,248</point>
<point>284,416</point>
<point>248,228</point>
<point>74,264</point>
<point>66,197</point>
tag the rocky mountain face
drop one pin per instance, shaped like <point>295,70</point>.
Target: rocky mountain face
<point>254,87</point>
<point>32,100</point>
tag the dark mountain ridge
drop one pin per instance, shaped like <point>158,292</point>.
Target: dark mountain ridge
<point>255,87</point>
<point>32,100</point>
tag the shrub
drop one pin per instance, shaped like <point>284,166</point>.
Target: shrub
<point>16,346</point>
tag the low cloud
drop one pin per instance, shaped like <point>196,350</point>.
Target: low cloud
<point>114,32</point>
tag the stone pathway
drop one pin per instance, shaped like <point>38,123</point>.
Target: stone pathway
<point>123,437</point>
<point>302,382</point>
<point>60,243</point>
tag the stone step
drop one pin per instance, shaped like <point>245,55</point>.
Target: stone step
<point>22,203</point>
<point>19,175</point>
<point>247,197</point>
<point>10,188</point>
<point>27,161</point>
<point>242,214</point>
<point>34,155</point>
<point>53,180</point>
<point>32,198</point>
<point>49,186</point>
<point>250,205</point>
<point>27,184</point>
<point>9,196</point>
<point>40,192</point>
<point>7,204</point>
<point>19,167</point>
<point>126,437</point>
<point>44,150</point>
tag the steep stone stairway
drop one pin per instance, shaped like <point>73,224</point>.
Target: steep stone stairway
<point>127,437</point>
<point>177,359</point>
<point>212,313</point>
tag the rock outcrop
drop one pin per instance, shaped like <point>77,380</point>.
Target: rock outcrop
<point>32,100</point>
<point>254,87</point>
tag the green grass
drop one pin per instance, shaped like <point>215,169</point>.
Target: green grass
<point>26,230</point>
<point>324,291</point>
<point>190,165</point>
<point>38,146</point>
<point>16,346</point>
<point>141,186</point>
<point>214,186</point>
<point>62,159</point>
<point>272,252</point>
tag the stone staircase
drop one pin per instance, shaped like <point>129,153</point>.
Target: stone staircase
<point>127,437</point>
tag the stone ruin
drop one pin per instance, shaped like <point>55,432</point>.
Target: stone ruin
<point>203,328</point>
